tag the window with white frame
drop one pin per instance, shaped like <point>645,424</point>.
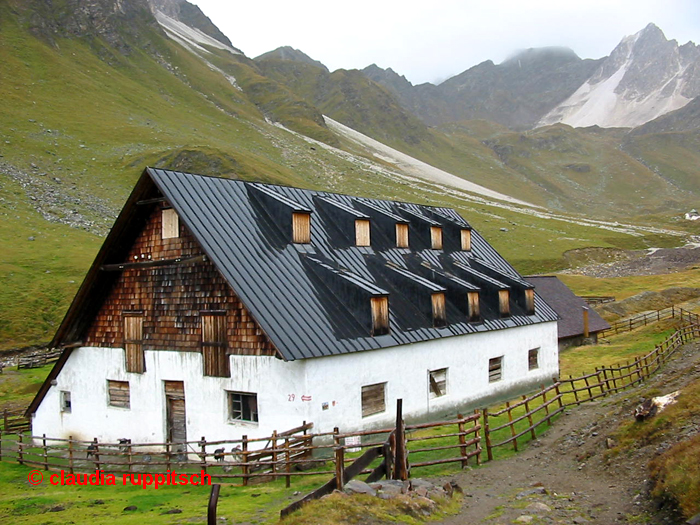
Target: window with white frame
<point>65,402</point>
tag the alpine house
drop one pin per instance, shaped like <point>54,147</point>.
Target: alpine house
<point>220,307</point>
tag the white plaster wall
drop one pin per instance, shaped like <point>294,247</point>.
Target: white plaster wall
<point>289,393</point>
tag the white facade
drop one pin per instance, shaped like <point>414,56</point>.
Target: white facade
<point>325,391</point>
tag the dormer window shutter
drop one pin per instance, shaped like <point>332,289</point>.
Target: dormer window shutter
<point>401,235</point>
<point>133,342</point>
<point>301,227</point>
<point>214,344</point>
<point>439,314</point>
<point>436,237</point>
<point>530,301</point>
<point>362,232</point>
<point>504,302</point>
<point>380,315</point>
<point>474,307</point>
<point>466,240</point>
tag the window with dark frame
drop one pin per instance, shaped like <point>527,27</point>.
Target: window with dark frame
<point>438,382</point>
<point>118,394</point>
<point>533,359</point>
<point>214,344</point>
<point>243,406</point>
<point>373,399</point>
<point>495,369</point>
<point>66,405</point>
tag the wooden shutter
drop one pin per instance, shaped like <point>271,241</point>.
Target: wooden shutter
<point>171,224</point>
<point>474,307</point>
<point>216,361</point>
<point>495,369</point>
<point>533,359</point>
<point>118,392</point>
<point>436,237</point>
<point>380,315</point>
<point>133,343</point>
<point>373,399</point>
<point>466,240</point>
<point>401,235</point>
<point>439,315</point>
<point>438,382</point>
<point>504,302</point>
<point>362,232</point>
<point>301,227</point>
<point>530,301</point>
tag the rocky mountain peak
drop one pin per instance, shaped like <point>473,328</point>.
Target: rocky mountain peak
<point>289,53</point>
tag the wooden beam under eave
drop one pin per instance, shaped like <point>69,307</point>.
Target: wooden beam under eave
<point>152,264</point>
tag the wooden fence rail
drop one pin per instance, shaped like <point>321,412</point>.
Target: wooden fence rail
<point>627,325</point>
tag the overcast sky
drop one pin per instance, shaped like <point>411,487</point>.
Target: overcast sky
<point>431,40</point>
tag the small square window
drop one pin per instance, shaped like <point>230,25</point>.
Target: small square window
<point>533,362</point>
<point>118,394</point>
<point>65,402</point>
<point>495,369</point>
<point>373,399</point>
<point>243,406</point>
<point>438,382</point>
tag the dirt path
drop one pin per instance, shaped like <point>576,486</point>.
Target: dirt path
<point>567,477</point>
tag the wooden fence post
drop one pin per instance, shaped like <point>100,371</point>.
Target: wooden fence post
<point>556,389</point>
<point>529,418</point>
<point>96,453</point>
<point>512,427</point>
<point>168,454</point>
<point>129,456</point>
<point>20,446</point>
<point>274,454</point>
<point>70,454</point>
<point>5,420</point>
<point>46,452</point>
<point>400,460</point>
<point>288,463</point>
<point>339,467</point>
<point>546,406</point>
<point>244,456</point>
<point>203,453</point>
<point>0,444</point>
<point>462,440</point>
<point>487,434</point>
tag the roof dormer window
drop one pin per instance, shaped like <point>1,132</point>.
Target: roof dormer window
<point>439,312</point>
<point>530,301</point>
<point>301,228</point>
<point>504,303</point>
<point>466,240</point>
<point>436,237</point>
<point>380,315</point>
<point>474,307</point>
<point>401,235</point>
<point>362,229</point>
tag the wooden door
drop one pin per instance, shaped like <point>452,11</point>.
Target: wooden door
<point>176,418</point>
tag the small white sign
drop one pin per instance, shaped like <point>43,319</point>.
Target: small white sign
<point>353,440</point>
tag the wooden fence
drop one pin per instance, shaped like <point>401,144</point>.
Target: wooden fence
<point>283,455</point>
<point>519,420</point>
<point>14,421</point>
<point>38,358</point>
<point>627,325</point>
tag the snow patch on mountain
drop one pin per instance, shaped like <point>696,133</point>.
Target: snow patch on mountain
<point>189,37</point>
<point>415,167</point>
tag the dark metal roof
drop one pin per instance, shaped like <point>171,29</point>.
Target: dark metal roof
<point>300,312</point>
<point>568,306</point>
<point>312,300</point>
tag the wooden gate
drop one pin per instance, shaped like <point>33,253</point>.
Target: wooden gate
<point>176,419</point>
